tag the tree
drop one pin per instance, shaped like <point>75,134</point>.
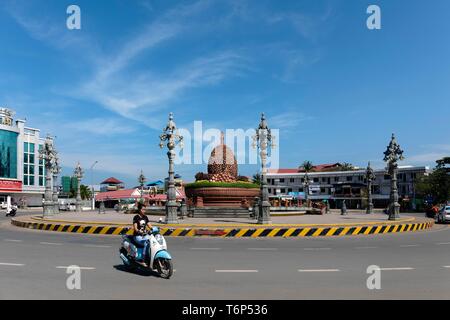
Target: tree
<point>256,178</point>
<point>307,166</point>
<point>86,192</point>
<point>347,167</point>
<point>437,183</point>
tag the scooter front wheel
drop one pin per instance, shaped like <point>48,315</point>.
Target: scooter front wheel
<point>165,268</point>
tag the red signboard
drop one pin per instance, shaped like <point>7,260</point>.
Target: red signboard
<point>10,186</point>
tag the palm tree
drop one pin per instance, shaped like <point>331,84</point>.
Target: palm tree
<point>86,192</point>
<point>307,166</point>
<point>256,178</point>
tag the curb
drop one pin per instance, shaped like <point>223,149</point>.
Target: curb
<point>267,232</point>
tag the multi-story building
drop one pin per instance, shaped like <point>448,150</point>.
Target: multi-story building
<point>22,174</point>
<point>335,186</point>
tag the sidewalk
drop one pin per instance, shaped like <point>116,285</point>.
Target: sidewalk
<point>113,223</point>
<point>334,218</point>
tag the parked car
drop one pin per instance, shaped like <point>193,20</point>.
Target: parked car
<point>443,215</point>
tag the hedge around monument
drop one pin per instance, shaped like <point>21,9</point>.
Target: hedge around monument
<point>209,184</point>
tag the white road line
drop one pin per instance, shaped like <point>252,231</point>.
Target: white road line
<point>81,268</point>
<point>263,249</point>
<point>51,243</point>
<point>319,270</point>
<point>409,245</point>
<point>447,267</point>
<point>366,247</point>
<point>205,249</point>
<point>314,249</point>
<point>397,269</point>
<point>95,246</point>
<point>11,264</point>
<point>442,243</point>
<point>236,271</point>
<point>12,240</point>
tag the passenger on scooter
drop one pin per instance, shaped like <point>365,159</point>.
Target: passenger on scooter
<point>140,223</point>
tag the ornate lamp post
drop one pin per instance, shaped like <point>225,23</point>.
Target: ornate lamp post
<point>370,177</point>
<point>56,171</point>
<point>142,180</point>
<point>78,173</point>
<point>48,155</point>
<point>263,139</point>
<point>170,134</point>
<point>393,154</point>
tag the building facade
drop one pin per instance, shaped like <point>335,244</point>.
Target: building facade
<point>22,174</point>
<point>336,186</point>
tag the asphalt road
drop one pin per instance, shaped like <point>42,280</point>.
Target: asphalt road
<point>413,266</point>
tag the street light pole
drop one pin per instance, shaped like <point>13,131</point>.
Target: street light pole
<point>48,155</point>
<point>142,180</point>
<point>263,139</point>
<point>79,173</point>
<point>56,170</point>
<point>92,184</point>
<point>392,155</point>
<point>172,137</point>
<point>370,177</point>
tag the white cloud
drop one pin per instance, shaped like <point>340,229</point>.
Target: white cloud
<point>290,119</point>
<point>101,126</point>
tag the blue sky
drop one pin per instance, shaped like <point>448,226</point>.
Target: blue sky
<point>335,89</point>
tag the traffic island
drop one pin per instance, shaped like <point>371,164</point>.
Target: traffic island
<point>354,224</point>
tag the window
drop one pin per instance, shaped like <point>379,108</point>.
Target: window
<point>289,190</point>
<point>387,177</point>
<point>316,180</point>
<point>8,154</point>
<point>336,179</point>
<point>282,180</point>
<point>291,180</point>
<point>29,164</point>
<point>283,190</point>
<point>324,179</point>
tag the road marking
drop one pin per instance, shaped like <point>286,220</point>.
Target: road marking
<point>314,249</point>
<point>447,267</point>
<point>397,269</point>
<point>237,271</point>
<point>319,270</point>
<point>51,243</point>
<point>11,264</point>
<point>12,240</point>
<point>95,246</point>
<point>263,249</point>
<point>205,249</point>
<point>81,268</point>
<point>409,245</point>
<point>443,243</point>
<point>366,247</point>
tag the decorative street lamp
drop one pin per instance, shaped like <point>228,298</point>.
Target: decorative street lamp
<point>56,171</point>
<point>370,177</point>
<point>171,135</point>
<point>393,154</point>
<point>142,180</point>
<point>263,139</point>
<point>48,154</point>
<point>78,173</point>
<point>306,187</point>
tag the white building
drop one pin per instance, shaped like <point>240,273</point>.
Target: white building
<point>22,174</point>
<point>336,186</point>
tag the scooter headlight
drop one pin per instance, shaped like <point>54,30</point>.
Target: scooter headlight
<point>160,239</point>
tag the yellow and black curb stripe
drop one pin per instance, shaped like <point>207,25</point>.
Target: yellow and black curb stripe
<point>267,232</point>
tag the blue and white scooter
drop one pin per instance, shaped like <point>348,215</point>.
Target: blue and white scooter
<point>158,258</point>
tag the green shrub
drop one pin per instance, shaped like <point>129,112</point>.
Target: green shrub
<point>209,184</point>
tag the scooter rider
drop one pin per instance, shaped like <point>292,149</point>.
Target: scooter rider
<point>140,223</point>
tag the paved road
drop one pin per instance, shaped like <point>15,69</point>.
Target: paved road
<point>414,266</point>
